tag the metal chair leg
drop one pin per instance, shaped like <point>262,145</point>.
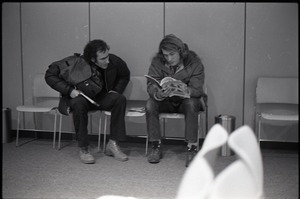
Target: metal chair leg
<point>99,132</point>
<point>104,131</point>
<point>259,129</point>
<point>147,142</point>
<point>59,131</point>
<point>198,131</point>
<point>18,130</point>
<point>54,133</point>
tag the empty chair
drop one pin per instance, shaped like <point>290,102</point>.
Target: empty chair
<point>234,182</point>
<point>276,100</point>
<point>136,95</point>
<point>40,92</point>
<point>199,176</point>
<point>244,144</point>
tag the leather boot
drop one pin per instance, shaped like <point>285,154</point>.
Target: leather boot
<point>155,154</point>
<point>191,153</point>
<point>113,149</point>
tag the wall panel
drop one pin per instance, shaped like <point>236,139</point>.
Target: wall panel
<point>50,31</point>
<point>133,31</point>
<point>11,58</point>
<point>215,31</point>
<point>272,44</point>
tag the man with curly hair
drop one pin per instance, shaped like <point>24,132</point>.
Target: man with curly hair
<point>175,60</point>
<point>101,76</point>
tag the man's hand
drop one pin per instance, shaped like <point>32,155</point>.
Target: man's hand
<point>74,93</point>
<point>163,93</point>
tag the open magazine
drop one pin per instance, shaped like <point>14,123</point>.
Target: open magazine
<point>178,88</point>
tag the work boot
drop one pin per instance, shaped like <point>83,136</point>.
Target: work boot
<point>85,156</point>
<point>191,152</point>
<point>155,154</point>
<point>112,149</point>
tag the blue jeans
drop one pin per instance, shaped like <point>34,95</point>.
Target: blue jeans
<point>113,102</point>
<point>189,107</point>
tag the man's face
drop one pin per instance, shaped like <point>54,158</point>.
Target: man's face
<point>172,57</point>
<point>102,59</point>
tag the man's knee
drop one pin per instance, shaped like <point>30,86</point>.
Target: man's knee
<point>191,104</point>
<point>79,104</point>
<point>121,99</point>
<point>151,105</point>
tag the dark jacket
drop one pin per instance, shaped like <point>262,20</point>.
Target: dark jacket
<point>117,75</point>
<point>192,74</point>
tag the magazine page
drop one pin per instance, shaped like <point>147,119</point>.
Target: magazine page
<point>178,88</point>
<point>153,80</point>
<point>166,80</point>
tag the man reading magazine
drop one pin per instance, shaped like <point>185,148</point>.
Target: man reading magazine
<point>175,87</point>
<point>175,84</point>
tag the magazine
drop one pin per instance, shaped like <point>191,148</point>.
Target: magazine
<point>137,109</point>
<point>178,88</point>
<point>89,99</point>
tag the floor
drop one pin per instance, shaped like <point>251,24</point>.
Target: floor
<point>36,170</point>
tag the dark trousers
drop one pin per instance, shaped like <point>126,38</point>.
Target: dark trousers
<point>189,107</point>
<point>113,102</point>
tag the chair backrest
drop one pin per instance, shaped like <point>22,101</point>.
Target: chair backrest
<point>277,90</point>
<point>41,88</point>
<point>43,94</point>
<point>244,143</point>
<point>136,88</point>
<point>199,175</point>
<point>235,181</point>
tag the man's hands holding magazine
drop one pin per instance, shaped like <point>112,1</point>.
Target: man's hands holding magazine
<point>173,88</point>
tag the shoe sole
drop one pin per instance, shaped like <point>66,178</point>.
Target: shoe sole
<point>108,153</point>
<point>157,161</point>
<point>88,162</point>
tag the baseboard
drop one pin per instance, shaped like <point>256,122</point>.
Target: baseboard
<point>279,145</point>
<point>141,139</point>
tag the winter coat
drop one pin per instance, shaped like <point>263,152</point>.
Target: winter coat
<point>64,74</point>
<point>191,74</point>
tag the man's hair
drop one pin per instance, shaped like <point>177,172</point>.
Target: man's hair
<point>172,43</point>
<point>92,47</point>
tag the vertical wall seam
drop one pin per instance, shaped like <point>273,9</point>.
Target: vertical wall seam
<point>89,20</point>
<point>164,19</point>
<point>244,65</point>
<point>21,50</point>
<point>22,61</point>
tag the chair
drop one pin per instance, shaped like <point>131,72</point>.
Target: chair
<point>41,91</point>
<point>235,181</point>
<point>199,176</point>
<point>136,95</point>
<point>276,100</point>
<point>244,144</point>
<point>164,116</point>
